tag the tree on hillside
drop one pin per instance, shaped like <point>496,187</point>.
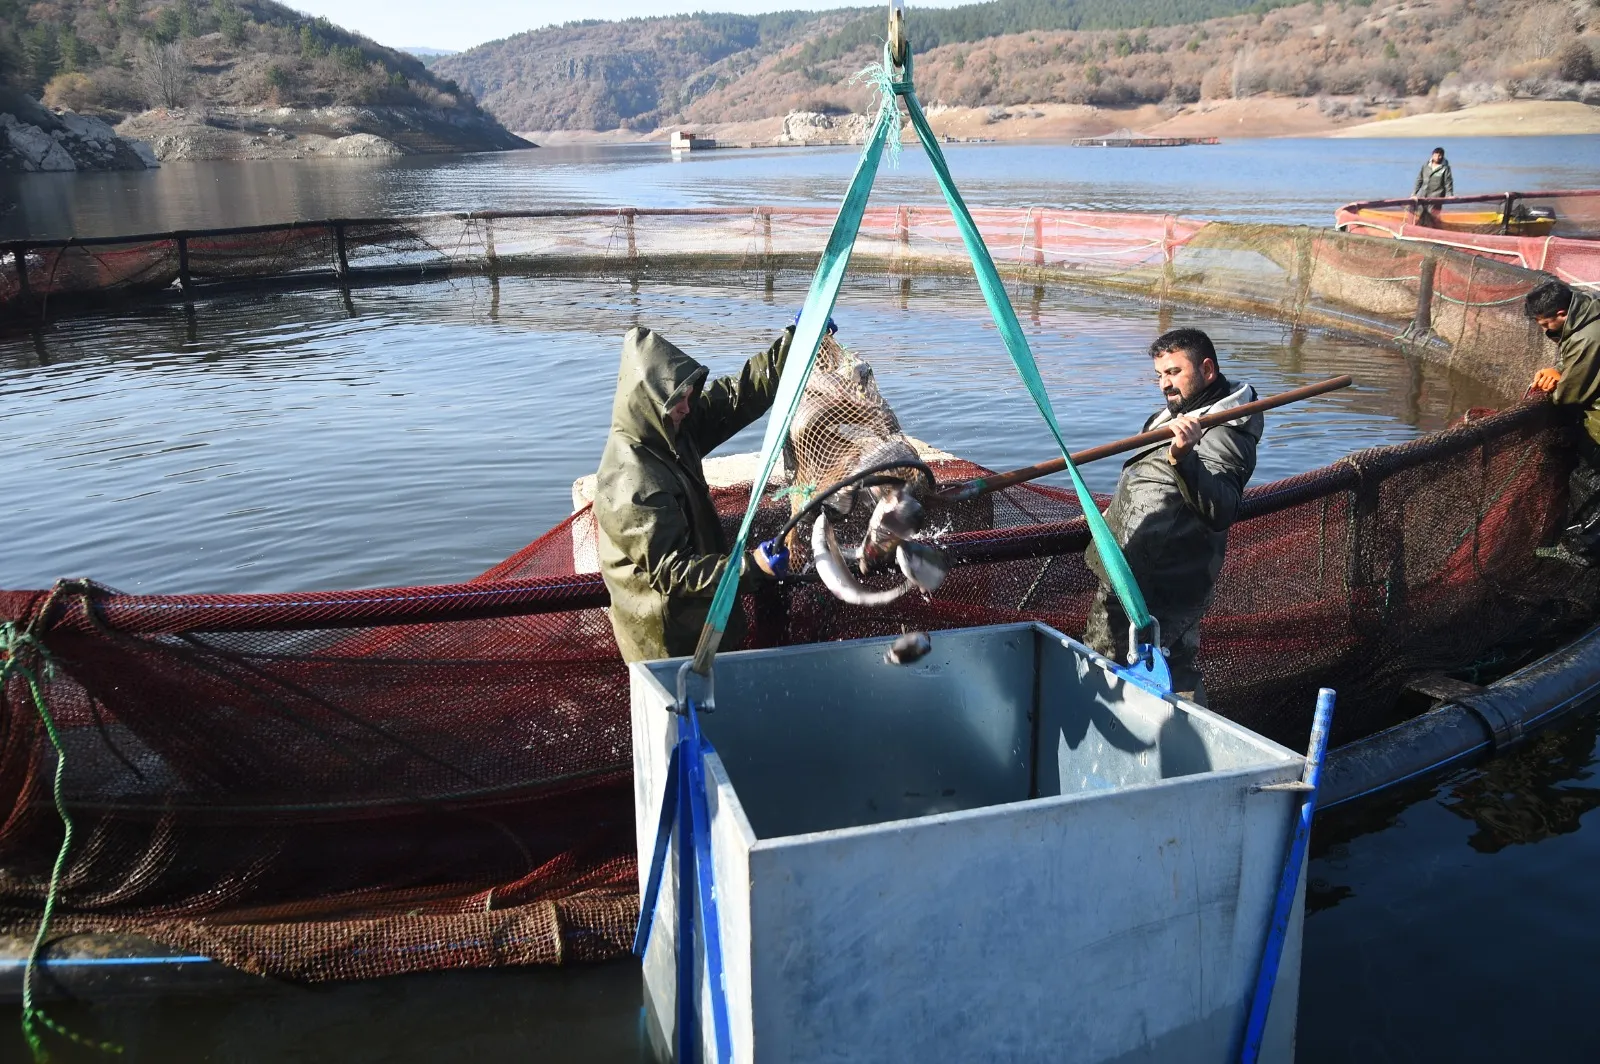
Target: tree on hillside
<point>165,73</point>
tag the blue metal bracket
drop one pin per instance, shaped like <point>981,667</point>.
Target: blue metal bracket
<point>1289,882</point>
<point>685,811</point>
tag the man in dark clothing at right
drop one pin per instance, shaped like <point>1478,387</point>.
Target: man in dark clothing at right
<point>1173,505</point>
<point>1573,322</point>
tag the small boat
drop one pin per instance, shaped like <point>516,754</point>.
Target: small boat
<point>1555,232</point>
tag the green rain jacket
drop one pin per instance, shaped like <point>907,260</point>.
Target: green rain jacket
<point>1172,520</point>
<point>662,548</point>
<point>1578,359</point>
<point>1434,182</point>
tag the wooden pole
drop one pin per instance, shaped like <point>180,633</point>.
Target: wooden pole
<point>971,489</point>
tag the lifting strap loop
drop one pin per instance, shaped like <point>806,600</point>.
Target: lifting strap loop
<point>894,79</point>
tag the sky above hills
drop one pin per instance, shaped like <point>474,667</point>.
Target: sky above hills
<point>429,24</point>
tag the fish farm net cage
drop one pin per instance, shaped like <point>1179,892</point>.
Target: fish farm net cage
<point>348,784</point>
<point>1556,232</point>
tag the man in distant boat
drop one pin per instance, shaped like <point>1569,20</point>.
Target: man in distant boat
<point>1434,180</point>
<point>662,548</point>
<point>1174,503</point>
<point>1572,321</point>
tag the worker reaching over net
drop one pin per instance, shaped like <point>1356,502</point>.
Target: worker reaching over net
<point>1572,322</point>
<point>1173,505</point>
<point>662,548</point>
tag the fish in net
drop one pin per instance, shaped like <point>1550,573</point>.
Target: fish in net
<point>854,475</point>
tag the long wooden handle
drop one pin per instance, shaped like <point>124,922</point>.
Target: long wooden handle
<point>971,489</point>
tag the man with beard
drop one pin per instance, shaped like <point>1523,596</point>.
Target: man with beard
<point>1173,505</point>
<point>1572,321</point>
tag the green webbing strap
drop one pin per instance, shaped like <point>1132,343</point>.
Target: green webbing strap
<point>796,370</point>
<point>808,336</point>
<point>15,642</point>
<point>1005,319</point>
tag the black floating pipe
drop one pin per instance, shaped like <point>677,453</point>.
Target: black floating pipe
<point>1469,728</point>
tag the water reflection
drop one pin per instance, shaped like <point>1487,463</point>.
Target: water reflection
<point>414,433</point>
<point>1294,181</point>
<point>1536,795</point>
<point>1457,921</point>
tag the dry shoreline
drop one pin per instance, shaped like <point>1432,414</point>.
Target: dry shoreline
<point>1254,117</point>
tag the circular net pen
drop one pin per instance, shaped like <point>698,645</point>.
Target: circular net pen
<point>349,784</point>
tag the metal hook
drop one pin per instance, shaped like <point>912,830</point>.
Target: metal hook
<point>898,46</point>
<point>705,703</point>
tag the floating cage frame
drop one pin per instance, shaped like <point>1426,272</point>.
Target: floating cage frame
<point>225,750</point>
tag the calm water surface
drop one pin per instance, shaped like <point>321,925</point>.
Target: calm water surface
<point>424,433</point>
<point>421,434</point>
<point>1298,181</point>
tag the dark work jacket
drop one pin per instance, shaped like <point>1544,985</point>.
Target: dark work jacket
<point>1435,183</point>
<point>662,549</point>
<point>1172,520</point>
<point>1578,359</point>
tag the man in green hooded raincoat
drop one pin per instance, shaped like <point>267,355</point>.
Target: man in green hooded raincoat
<point>662,549</point>
<point>1572,321</point>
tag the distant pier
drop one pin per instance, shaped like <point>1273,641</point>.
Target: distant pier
<point>1116,141</point>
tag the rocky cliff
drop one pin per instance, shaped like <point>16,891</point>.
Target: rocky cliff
<point>241,133</point>
<point>35,138</point>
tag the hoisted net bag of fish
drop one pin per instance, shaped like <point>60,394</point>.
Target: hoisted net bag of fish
<point>858,490</point>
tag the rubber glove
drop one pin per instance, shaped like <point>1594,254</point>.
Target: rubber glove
<point>1546,380</point>
<point>829,330</point>
<point>772,558</point>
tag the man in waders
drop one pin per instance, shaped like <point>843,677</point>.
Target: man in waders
<point>1433,181</point>
<point>1573,322</point>
<point>1173,505</point>
<point>662,548</point>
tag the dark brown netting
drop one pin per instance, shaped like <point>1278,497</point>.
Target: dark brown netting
<point>340,785</point>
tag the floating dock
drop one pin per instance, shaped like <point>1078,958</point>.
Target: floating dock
<point>1140,142</point>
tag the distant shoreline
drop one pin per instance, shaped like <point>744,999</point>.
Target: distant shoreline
<point>1252,118</point>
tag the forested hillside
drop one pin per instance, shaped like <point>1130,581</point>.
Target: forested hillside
<point>632,74</point>
<point>719,68</point>
<point>122,56</point>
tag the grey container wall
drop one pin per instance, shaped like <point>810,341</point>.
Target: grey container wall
<point>1005,851</point>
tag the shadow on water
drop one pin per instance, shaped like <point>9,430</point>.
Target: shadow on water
<point>587,1014</point>
<point>1459,921</point>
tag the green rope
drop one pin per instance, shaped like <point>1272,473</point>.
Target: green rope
<point>819,305</point>
<point>15,641</point>
<point>1005,319</point>
<point>807,339</point>
<point>804,491</point>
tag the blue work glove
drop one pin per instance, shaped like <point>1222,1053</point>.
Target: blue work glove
<point>772,558</point>
<point>831,327</point>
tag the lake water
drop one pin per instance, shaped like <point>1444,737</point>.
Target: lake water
<point>1292,181</point>
<point>425,432</point>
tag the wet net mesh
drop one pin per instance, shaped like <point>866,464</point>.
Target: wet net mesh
<point>348,784</point>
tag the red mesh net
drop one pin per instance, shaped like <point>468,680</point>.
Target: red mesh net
<point>348,784</point>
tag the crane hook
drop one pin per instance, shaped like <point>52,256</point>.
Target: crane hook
<point>899,47</point>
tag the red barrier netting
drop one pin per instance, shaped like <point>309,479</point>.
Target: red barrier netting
<point>1554,232</point>
<point>343,785</point>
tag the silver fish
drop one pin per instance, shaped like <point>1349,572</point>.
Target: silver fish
<point>835,573</point>
<point>925,565</point>
<point>911,646</point>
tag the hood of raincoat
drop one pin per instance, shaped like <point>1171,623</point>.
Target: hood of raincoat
<point>653,376</point>
<point>1583,312</point>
